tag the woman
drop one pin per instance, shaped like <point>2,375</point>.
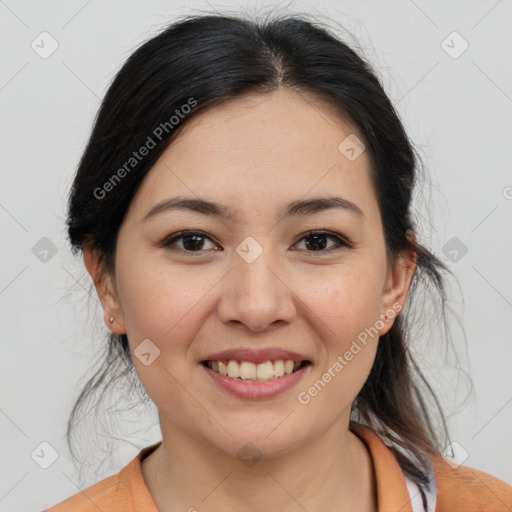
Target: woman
<point>243,208</point>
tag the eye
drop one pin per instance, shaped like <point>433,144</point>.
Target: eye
<point>317,241</point>
<point>192,241</point>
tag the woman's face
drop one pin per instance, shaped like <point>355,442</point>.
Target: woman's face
<point>255,280</point>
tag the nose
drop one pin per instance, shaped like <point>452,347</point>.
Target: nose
<point>257,293</point>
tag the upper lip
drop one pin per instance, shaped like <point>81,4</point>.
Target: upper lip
<point>256,356</point>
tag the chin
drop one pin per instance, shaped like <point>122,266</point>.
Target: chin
<point>266,442</point>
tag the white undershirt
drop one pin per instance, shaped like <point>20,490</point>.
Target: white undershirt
<point>415,495</point>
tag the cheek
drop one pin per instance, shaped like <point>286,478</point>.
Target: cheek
<point>348,297</point>
<point>168,306</point>
<point>161,307</point>
<point>156,299</point>
<point>345,311</point>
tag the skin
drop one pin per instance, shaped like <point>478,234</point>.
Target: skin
<point>254,155</point>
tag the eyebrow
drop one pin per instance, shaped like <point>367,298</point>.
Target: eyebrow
<point>293,209</point>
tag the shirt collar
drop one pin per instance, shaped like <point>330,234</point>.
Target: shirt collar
<point>392,492</point>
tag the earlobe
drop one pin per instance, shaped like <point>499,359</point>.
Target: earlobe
<point>103,282</point>
<point>114,324</point>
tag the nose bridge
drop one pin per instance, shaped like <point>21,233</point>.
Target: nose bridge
<point>258,295</point>
<point>252,268</point>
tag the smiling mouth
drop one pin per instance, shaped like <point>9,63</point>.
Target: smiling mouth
<point>262,372</point>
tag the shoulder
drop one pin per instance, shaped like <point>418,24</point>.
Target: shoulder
<point>125,490</point>
<point>96,497</point>
<point>466,489</point>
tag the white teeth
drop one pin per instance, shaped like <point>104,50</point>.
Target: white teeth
<point>262,372</point>
<point>233,369</point>
<point>278,368</point>
<point>247,371</point>
<point>265,371</point>
<point>223,369</point>
<point>288,367</point>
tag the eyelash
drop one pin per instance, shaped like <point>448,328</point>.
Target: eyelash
<point>341,242</point>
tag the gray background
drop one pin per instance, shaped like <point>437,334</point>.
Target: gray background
<point>456,110</point>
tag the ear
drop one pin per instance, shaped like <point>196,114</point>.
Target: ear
<point>397,284</point>
<point>105,288</point>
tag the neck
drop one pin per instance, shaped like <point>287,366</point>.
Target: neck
<point>185,474</point>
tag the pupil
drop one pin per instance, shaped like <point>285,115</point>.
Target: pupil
<point>196,244</point>
<point>315,244</point>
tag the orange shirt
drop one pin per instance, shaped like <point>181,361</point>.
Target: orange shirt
<point>461,489</point>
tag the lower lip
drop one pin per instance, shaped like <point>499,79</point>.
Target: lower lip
<point>254,389</point>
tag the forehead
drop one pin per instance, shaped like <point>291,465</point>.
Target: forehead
<point>283,118</point>
<point>259,150</point>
